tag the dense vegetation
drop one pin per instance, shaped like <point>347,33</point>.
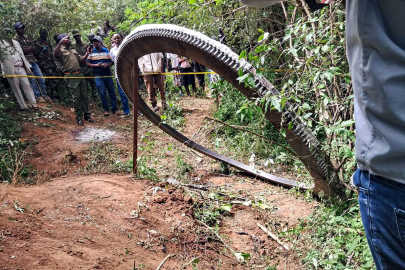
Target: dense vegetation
<point>301,53</point>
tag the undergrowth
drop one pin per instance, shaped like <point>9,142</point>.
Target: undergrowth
<point>12,150</point>
<point>105,157</point>
<point>337,238</point>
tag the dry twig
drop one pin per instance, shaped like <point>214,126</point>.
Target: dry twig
<point>164,260</point>
<point>273,236</point>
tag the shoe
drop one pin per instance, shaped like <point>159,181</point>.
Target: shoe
<point>48,99</point>
<point>41,100</point>
<point>80,122</point>
<point>89,119</point>
<point>106,113</point>
<point>125,115</point>
<point>155,107</point>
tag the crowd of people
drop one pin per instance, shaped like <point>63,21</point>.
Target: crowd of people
<point>87,66</point>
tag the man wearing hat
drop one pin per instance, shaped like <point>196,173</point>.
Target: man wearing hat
<point>81,49</point>
<point>70,60</point>
<point>44,55</point>
<point>29,50</point>
<point>100,61</point>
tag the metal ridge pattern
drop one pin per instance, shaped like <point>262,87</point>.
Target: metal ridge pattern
<point>221,59</point>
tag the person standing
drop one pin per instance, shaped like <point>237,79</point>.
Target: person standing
<point>96,30</point>
<point>44,55</point>
<point>187,79</point>
<point>29,50</point>
<point>153,63</point>
<point>70,61</point>
<point>375,44</point>
<point>200,77</point>
<point>13,62</point>
<point>81,49</point>
<point>117,39</point>
<point>108,28</point>
<point>100,60</point>
<point>174,66</point>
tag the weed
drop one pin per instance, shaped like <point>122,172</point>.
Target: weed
<point>144,171</point>
<point>338,238</point>
<point>173,115</point>
<point>106,157</point>
<point>12,150</point>
<point>182,165</point>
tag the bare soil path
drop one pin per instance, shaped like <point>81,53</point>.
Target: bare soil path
<point>80,215</point>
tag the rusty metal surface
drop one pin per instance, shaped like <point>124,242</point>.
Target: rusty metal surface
<point>216,56</point>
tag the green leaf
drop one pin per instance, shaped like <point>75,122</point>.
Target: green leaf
<point>242,256</point>
<point>347,123</point>
<point>192,1</point>
<point>260,48</point>
<point>243,54</point>
<point>226,207</point>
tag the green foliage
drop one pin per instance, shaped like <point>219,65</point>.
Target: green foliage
<point>236,110</point>
<point>173,115</point>
<point>12,150</point>
<point>338,238</point>
<point>147,158</point>
<point>106,157</point>
<point>183,166</point>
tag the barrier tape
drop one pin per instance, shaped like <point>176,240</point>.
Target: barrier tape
<point>74,77</point>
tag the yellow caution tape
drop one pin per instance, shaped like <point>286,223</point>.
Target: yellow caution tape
<point>156,73</point>
<point>74,77</point>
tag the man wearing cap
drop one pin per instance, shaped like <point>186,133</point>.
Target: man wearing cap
<point>100,60</point>
<point>81,49</point>
<point>29,50</point>
<point>70,60</point>
<point>44,55</point>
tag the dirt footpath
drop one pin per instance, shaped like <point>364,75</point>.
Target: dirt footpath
<point>74,218</point>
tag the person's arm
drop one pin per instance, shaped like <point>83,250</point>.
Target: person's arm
<point>63,41</point>
<point>27,49</point>
<point>94,65</point>
<point>99,64</point>
<point>86,55</point>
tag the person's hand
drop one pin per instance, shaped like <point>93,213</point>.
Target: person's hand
<point>100,64</point>
<point>64,40</point>
<point>89,48</point>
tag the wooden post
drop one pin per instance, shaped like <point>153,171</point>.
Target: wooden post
<point>135,103</point>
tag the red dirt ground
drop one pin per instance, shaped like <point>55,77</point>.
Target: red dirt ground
<point>69,220</point>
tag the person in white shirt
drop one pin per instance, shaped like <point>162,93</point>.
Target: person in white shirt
<point>13,62</point>
<point>174,66</point>
<point>153,63</point>
<point>117,39</point>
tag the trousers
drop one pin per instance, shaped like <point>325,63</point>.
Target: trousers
<point>17,84</point>
<point>78,89</point>
<point>33,82</point>
<point>382,208</point>
<point>104,85</point>
<point>124,99</point>
<point>151,91</point>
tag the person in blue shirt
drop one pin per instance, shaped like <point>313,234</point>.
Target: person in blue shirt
<point>101,62</point>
